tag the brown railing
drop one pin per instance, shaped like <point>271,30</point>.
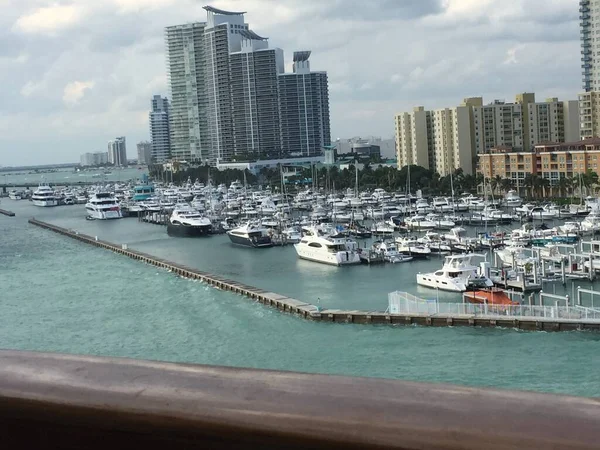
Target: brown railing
<point>60,401</point>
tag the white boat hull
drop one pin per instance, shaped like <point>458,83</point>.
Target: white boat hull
<point>443,284</point>
<point>45,203</point>
<point>332,259</point>
<point>104,215</point>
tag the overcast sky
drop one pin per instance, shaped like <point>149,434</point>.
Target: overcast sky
<point>74,74</point>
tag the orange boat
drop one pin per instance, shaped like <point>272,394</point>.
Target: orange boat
<point>493,296</point>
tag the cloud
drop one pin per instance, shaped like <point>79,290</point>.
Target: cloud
<point>49,20</point>
<point>75,91</point>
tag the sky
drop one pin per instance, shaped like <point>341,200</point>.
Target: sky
<point>77,73</point>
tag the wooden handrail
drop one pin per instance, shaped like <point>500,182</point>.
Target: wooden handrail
<point>63,401</point>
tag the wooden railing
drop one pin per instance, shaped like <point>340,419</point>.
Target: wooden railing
<point>61,401</point>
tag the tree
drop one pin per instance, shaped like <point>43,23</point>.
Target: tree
<point>506,184</point>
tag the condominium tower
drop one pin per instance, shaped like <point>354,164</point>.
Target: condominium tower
<point>230,97</point>
<point>159,129</point>
<point>304,108</point>
<point>188,127</point>
<point>589,19</point>
<point>144,152</point>
<point>255,100</point>
<point>117,151</point>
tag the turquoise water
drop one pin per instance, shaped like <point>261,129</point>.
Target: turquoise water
<point>61,295</point>
<point>68,176</point>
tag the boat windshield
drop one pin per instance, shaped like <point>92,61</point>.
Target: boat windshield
<point>336,248</point>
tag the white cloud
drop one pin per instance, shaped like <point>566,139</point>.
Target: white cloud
<point>31,87</point>
<point>511,55</point>
<point>75,91</point>
<point>396,78</point>
<point>49,20</point>
<point>130,6</point>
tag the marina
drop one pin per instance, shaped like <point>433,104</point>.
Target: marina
<point>542,319</point>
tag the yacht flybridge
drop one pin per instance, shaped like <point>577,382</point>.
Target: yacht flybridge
<point>457,275</point>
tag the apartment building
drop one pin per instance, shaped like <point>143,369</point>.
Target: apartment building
<point>552,161</point>
<point>117,151</point>
<point>159,130</point>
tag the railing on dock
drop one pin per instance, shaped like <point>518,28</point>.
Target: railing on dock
<point>407,304</point>
<point>62,401</point>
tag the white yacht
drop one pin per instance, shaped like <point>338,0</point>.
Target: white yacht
<point>327,250</point>
<point>16,195</point>
<point>411,247</point>
<point>390,252</point>
<point>44,196</point>
<point>103,205</point>
<point>187,221</point>
<point>419,223</point>
<point>457,275</point>
<point>512,199</point>
<point>250,235</point>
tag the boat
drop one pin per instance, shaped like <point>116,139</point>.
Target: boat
<point>390,253</point>
<point>250,235</point>
<point>103,205</point>
<point>44,196</point>
<point>492,296</point>
<point>142,192</point>
<point>187,221</point>
<point>16,195</point>
<point>327,250</point>
<point>512,199</point>
<point>456,275</point>
<point>419,222</point>
<point>411,247</point>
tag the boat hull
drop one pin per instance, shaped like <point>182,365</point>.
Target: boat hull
<point>188,231</point>
<point>263,242</point>
<point>332,259</point>
<point>45,203</point>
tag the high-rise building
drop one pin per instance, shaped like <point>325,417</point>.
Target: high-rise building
<point>117,152</point>
<point>94,159</point>
<point>589,19</point>
<point>446,139</point>
<point>230,96</point>
<point>304,109</point>
<point>144,153</point>
<point>222,36</point>
<point>439,140</point>
<point>255,99</point>
<point>159,130</point>
<point>414,138</point>
<point>186,72</point>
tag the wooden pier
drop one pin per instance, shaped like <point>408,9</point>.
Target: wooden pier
<point>7,213</point>
<point>312,312</point>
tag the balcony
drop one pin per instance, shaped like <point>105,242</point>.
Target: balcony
<point>60,401</point>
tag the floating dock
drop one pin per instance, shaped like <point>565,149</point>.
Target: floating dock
<point>7,213</point>
<point>313,312</point>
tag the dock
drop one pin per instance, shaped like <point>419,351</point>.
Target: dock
<point>474,317</point>
<point>7,213</point>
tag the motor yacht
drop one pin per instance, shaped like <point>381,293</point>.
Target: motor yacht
<point>44,196</point>
<point>419,222</point>
<point>457,275</point>
<point>250,235</point>
<point>390,252</point>
<point>324,249</point>
<point>103,205</point>
<point>187,221</point>
<point>512,199</point>
<point>411,247</point>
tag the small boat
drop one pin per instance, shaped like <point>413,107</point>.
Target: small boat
<point>457,275</point>
<point>492,296</point>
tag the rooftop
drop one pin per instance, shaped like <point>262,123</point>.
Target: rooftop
<point>302,55</point>
<point>249,34</point>
<point>214,10</point>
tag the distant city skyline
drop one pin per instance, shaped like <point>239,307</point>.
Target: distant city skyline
<point>66,96</point>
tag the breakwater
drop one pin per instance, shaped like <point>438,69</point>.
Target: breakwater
<point>7,213</point>
<point>312,312</point>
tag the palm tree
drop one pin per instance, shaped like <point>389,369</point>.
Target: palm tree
<point>528,183</point>
<point>506,184</point>
<point>589,180</point>
<point>564,185</point>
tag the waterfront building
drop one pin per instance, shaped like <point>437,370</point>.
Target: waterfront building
<point>186,74</point>
<point>447,139</point>
<point>94,159</point>
<point>144,153</point>
<point>589,18</point>
<point>439,140</point>
<point>254,94</point>
<point>551,161</point>
<point>117,151</point>
<point>159,130</point>
<point>304,108</point>
<point>256,166</point>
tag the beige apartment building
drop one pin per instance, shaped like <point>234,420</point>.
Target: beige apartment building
<point>451,138</point>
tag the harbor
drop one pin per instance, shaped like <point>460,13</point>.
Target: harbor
<point>105,303</point>
<point>541,319</point>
